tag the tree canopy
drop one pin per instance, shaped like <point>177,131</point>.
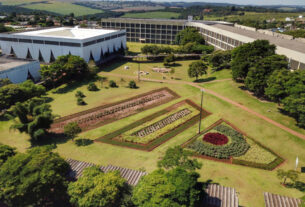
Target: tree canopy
<point>72,129</point>
<point>197,68</point>
<point>95,188</point>
<point>176,187</point>
<point>178,157</point>
<point>13,93</point>
<point>256,80</point>
<point>34,178</point>
<point>247,55</point>
<point>6,152</point>
<point>188,35</point>
<point>220,60</point>
<point>288,88</point>
<point>65,69</point>
<point>34,117</point>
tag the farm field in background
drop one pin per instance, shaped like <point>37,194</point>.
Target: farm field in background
<point>257,16</point>
<point>153,15</point>
<point>63,8</point>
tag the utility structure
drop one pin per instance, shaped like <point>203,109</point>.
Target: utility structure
<point>200,116</point>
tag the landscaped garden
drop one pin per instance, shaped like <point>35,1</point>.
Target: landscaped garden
<point>153,130</point>
<point>224,142</point>
<point>173,122</point>
<point>95,117</point>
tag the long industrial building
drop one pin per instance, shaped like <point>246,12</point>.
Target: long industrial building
<point>222,35</point>
<point>46,45</point>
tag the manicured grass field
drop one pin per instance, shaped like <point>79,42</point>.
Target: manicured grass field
<point>231,90</point>
<point>250,183</point>
<point>152,15</point>
<point>63,8</point>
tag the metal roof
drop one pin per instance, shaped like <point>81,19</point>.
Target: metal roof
<point>132,176</point>
<point>220,196</point>
<point>77,168</point>
<point>274,200</point>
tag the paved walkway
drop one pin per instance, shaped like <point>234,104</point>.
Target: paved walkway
<point>291,131</point>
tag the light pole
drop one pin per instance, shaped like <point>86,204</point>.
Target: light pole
<point>138,70</point>
<point>200,116</point>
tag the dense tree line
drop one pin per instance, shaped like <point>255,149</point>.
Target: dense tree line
<point>266,74</point>
<point>13,93</point>
<point>39,177</point>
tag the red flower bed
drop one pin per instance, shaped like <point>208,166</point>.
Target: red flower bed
<point>216,138</point>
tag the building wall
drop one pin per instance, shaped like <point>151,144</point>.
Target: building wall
<point>47,46</point>
<point>20,73</point>
<point>146,31</point>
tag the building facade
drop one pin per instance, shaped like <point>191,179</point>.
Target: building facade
<point>46,45</point>
<point>18,71</point>
<point>222,35</point>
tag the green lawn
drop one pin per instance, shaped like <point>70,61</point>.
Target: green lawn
<point>152,15</point>
<point>231,90</point>
<point>59,7</point>
<point>249,182</point>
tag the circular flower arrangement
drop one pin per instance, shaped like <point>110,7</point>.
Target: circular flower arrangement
<point>216,138</point>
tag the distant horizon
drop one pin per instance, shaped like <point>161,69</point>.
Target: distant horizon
<point>247,2</point>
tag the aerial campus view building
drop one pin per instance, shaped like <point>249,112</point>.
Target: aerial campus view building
<point>222,35</point>
<point>25,50</point>
<point>48,44</point>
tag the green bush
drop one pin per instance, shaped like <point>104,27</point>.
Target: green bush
<point>112,84</point>
<point>132,84</point>
<point>79,94</point>
<point>83,142</point>
<point>80,101</point>
<point>92,87</point>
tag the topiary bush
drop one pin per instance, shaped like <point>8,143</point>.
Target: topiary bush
<point>80,101</point>
<point>79,94</point>
<point>112,84</point>
<point>132,84</point>
<point>92,87</point>
<point>83,142</point>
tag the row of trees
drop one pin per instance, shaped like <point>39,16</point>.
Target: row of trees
<point>189,41</point>
<point>266,74</point>
<point>39,178</point>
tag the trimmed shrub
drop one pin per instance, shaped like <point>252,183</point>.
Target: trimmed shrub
<point>79,94</point>
<point>83,142</point>
<point>132,84</point>
<point>216,138</point>
<point>80,101</point>
<point>92,87</point>
<point>112,84</point>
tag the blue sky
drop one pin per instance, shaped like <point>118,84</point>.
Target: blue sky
<point>254,2</point>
